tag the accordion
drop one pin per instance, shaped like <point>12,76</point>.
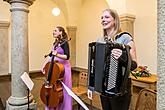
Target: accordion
<point>105,73</point>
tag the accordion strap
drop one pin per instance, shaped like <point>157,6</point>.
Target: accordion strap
<point>127,72</point>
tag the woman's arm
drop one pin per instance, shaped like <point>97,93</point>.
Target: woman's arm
<point>133,55</point>
<point>117,53</point>
<point>132,51</point>
<point>64,57</point>
<point>66,54</point>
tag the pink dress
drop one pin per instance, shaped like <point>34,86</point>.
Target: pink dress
<point>67,101</point>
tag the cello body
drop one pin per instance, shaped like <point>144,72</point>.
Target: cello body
<point>51,92</point>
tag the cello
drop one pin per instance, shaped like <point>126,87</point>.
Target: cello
<point>51,92</point>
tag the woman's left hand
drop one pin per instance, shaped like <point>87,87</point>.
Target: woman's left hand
<point>54,52</point>
<point>116,53</point>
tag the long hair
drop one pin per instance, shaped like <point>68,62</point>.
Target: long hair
<point>64,34</point>
<point>116,28</point>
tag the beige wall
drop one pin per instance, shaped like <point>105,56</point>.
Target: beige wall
<point>89,28</point>
<point>87,19</point>
<point>4,11</point>
<point>5,17</point>
<point>119,5</point>
<point>4,50</point>
<point>41,25</point>
<point>145,31</point>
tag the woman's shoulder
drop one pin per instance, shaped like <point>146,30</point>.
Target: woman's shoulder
<point>65,44</point>
<point>124,37</point>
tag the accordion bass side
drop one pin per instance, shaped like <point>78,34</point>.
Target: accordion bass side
<point>105,73</point>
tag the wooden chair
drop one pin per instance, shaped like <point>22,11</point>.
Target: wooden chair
<point>146,100</point>
<point>81,89</point>
<point>1,105</point>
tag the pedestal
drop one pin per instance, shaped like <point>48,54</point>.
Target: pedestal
<point>32,105</point>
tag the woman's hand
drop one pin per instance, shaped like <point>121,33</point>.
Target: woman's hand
<point>43,69</point>
<point>54,52</point>
<point>116,53</point>
<point>47,59</point>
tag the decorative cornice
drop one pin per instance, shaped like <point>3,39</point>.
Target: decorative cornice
<point>71,28</point>
<point>126,17</point>
<point>18,5</point>
<point>28,2</point>
<point>4,24</point>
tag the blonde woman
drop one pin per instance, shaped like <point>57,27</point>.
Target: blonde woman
<point>113,33</point>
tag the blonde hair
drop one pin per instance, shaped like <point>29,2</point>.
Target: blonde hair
<point>116,28</point>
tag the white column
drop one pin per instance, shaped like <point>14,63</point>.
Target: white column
<point>161,55</point>
<point>19,55</point>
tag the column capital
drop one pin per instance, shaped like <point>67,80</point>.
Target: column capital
<point>127,17</point>
<point>71,28</point>
<point>127,22</point>
<point>28,2</point>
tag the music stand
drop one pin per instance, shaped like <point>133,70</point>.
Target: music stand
<point>29,83</point>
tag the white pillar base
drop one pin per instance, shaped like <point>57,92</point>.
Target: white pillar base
<point>32,106</point>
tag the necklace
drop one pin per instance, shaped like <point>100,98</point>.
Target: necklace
<point>108,40</point>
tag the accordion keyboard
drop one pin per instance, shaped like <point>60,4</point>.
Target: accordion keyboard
<point>112,73</point>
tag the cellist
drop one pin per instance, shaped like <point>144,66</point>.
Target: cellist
<point>62,54</point>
